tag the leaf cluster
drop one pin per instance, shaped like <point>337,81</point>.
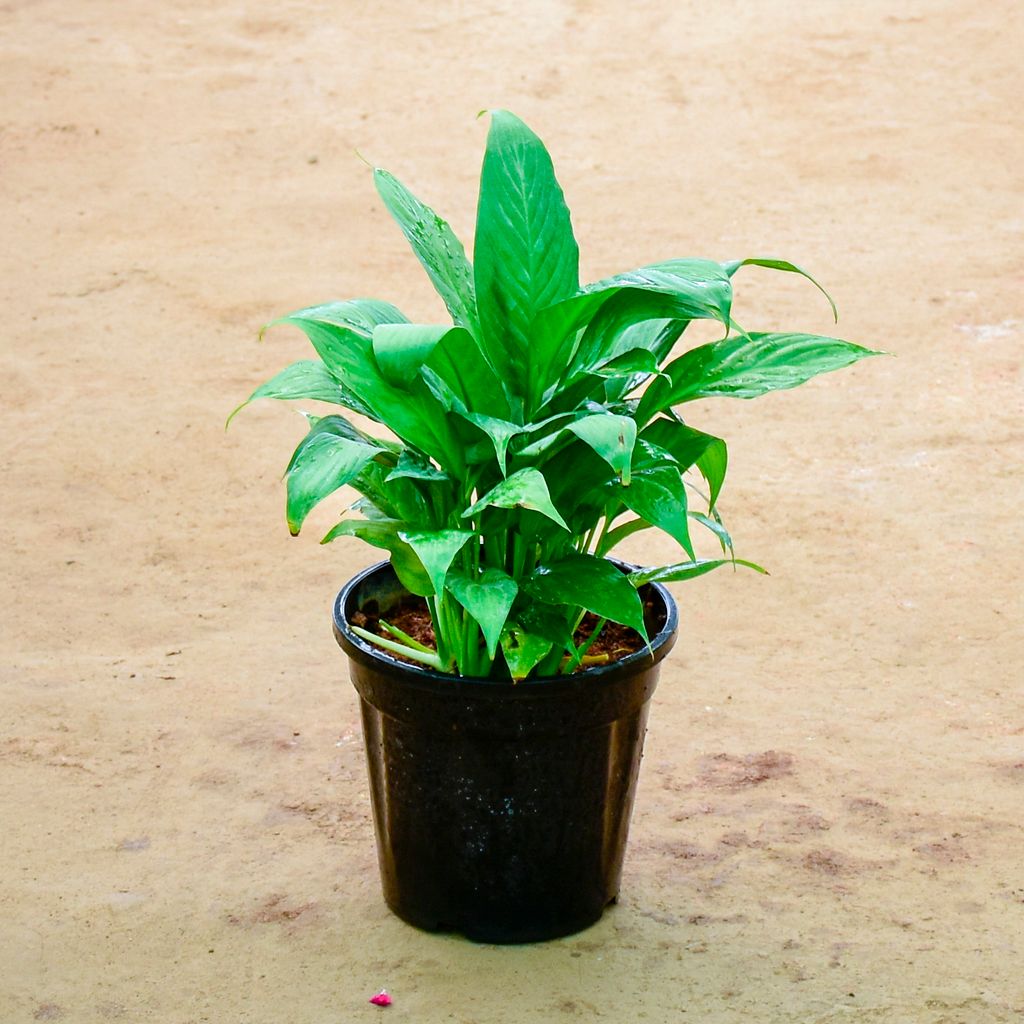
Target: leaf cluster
<point>534,432</point>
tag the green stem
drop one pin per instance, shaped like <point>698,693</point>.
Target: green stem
<point>518,556</point>
<point>405,638</point>
<point>450,625</point>
<point>466,661</point>
<point>551,661</point>
<point>441,632</point>
<point>579,656</point>
<point>425,658</point>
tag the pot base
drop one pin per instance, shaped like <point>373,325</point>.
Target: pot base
<point>488,934</point>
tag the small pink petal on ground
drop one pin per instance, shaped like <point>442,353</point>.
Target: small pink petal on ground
<point>381,999</point>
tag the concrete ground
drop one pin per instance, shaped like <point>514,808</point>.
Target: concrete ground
<point>828,826</point>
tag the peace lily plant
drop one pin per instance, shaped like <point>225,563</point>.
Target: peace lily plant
<point>536,431</point>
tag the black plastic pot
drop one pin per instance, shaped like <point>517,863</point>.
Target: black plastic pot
<point>501,809</point>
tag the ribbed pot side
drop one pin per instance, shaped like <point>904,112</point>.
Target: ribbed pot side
<point>501,809</point>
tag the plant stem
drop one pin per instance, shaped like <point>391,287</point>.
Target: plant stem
<point>579,655</point>
<point>405,638</point>
<point>425,658</point>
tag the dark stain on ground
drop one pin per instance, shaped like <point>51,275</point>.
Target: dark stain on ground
<point>729,771</point>
<point>826,862</point>
<point>867,807</point>
<point>689,852</point>
<point>945,851</point>
<point>275,909</point>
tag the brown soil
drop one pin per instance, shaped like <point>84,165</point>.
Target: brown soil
<point>828,822</point>
<point>412,617</point>
<point>614,642</point>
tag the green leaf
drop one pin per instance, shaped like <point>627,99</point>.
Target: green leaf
<point>405,352</point>
<point>488,599</point>
<point>308,378</point>
<point>435,246</point>
<point>549,433</point>
<point>732,266</point>
<point>591,583</point>
<point>612,437</point>
<point>675,290</point>
<point>578,477</point>
<point>397,499</point>
<point>620,533</point>
<point>401,349</point>
<point>525,252</point>
<point>632,306</point>
<point>459,361</point>
<point>554,622</point>
<point>384,533</point>
<point>415,467</point>
<point>359,315</point>
<point>525,489</point>
<point>687,570</point>
<point>338,426</point>
<point>413,413</point>
<point>712,464</point>
<point>690,447</point>
<point>683,443</point>
<point>523,651</point>
<point>500,433</point>
<point>656,337</point>
<point>639,350</point>
<point>633,361</point>
<point>659,497</point>
<point>716,527</point>
<point>436,550</point>
<point>747,366</point>
<point>322,463</point>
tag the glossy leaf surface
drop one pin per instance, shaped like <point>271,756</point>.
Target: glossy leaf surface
<point>748,366</point>
<point>308,379</point>
<point>383,533</point>
<point>525,489</point>
<point>436,550</point>
<point>691,447</point>
<point>435,245</point>
<point>612,437</point>
<point>523,651</point>
<point>591,583</point>
<point>688,570</point>
<point>525,253</point>
<point>322,463</point>
<point>659,497</point>
<point>731,266</point>
<point>413,412</point>
<point>488,598</point>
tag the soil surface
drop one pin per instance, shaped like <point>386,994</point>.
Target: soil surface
<point>828,825</point>
<point>412,617</point>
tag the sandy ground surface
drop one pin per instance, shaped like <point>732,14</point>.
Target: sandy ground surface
<point>829,820</point>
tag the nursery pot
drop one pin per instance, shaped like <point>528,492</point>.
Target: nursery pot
<point>501,809</point>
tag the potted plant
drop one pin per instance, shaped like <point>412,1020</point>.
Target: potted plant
<point>504,661</point>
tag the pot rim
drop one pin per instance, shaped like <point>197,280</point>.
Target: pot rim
<point>376,657</point>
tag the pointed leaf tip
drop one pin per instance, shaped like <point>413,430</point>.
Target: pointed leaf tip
<point>526,488</point>
<point>436,549</point>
